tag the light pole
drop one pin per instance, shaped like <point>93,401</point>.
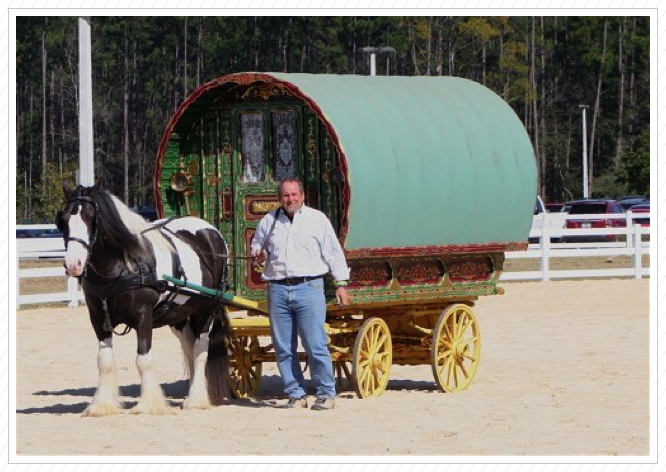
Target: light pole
<point>585,179</point>
<point>86,159</point>
<point>373,51</point>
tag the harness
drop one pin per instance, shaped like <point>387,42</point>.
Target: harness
<point>104,288</point>
<point>144,278</point>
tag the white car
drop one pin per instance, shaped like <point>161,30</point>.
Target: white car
<point>556,222</point>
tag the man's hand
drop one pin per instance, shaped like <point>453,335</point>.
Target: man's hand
<point>341,296</point>
<point>259,256</point>
<point>258,261</point>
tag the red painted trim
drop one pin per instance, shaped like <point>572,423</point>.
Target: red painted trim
<point>457,249</point>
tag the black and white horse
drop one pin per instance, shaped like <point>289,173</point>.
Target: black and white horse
<point>120,259</point>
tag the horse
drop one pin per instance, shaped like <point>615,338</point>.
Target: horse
<point>119,259</point>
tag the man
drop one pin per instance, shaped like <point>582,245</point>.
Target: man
<point>300,246</point>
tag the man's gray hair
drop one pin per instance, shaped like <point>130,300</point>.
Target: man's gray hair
<point>293,180</point>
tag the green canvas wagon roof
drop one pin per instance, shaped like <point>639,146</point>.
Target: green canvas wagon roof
<point>429,160</point>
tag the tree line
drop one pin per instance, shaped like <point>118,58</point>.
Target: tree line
<point>545,68</point>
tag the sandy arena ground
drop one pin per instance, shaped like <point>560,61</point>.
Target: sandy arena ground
<point>564,371</point>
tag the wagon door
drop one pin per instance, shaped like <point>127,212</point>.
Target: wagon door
<point>266,148</point>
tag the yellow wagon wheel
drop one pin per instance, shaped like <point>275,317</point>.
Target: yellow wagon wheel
<point>244,373</point>
<point>371,362</point>
<point>456,348</point>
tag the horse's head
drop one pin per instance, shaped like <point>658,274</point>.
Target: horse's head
<point>78,223</point>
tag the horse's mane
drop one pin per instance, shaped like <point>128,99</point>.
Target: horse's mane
<point>120,229</point>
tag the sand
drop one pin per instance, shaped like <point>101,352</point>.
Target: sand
<point>564,371</point>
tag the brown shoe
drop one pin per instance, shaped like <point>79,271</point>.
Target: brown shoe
<point>296,403</point>
<point>324,403</point>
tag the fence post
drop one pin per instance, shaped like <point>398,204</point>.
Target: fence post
<point>630,234</point>
<point>545,249</point>
<point>72,292</point>
<point>18,277</point>
<point>638,253</point>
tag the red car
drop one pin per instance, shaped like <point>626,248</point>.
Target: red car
<point>594,207</point>
<point>642,208</point>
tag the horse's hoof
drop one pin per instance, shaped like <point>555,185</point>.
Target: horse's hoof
<point>194,405</point>
<point>97,409</point>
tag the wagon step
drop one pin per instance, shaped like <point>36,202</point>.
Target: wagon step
<point>226,298</point>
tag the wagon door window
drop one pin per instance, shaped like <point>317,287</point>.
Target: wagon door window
<point>252,147</point>
<point>284,144</point>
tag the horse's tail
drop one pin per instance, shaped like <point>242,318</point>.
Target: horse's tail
<point>218,356</point>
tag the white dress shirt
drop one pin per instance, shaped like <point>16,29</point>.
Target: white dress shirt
<point>304,247</point>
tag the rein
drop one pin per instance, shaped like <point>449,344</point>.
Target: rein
<point>162,225</point>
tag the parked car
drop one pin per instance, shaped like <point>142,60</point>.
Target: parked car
<point>642,208</point>
<point>537,221</point>
<point>539,207</point>
<point>38,233</point>
<point>628,202</point>
<point>555,224</point>
<point>554,207</point>
<point>594,207</point>
<point>147,212</point>
<point>566,207</point>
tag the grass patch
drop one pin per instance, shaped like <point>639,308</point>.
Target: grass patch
<point>574,263</point>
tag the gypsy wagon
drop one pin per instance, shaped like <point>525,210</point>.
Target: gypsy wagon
<point>427,181</point>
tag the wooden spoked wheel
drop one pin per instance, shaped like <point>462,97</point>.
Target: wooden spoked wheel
<point>372,358</point>
<point>244,374</point>
<point>456,348</point>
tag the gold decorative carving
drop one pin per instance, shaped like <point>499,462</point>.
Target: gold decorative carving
<point>264,91</point>
<point>256,206</point>
<point>261,207</point>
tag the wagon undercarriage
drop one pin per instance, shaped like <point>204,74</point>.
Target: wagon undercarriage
<point>365,343</point>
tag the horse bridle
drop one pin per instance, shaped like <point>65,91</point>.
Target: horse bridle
<point>82,198</point>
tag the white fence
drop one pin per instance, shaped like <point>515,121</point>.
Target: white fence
<point>43,249</point>
<point>545,227</point>
<point>550,229</point>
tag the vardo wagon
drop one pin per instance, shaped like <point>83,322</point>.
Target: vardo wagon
<point>427,181</point>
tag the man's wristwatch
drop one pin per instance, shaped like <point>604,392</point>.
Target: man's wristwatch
<point>340,283</point>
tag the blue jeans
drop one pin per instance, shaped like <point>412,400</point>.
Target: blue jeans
<point>300,310</point>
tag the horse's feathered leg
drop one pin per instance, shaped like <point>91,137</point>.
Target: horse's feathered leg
<point>106,398</point>
<point>218,357</point>
<point>105,401</point>
<point>152,399</point>
<point>198,394</point>
<point>186,338</point>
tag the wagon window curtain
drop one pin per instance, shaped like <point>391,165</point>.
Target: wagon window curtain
<point>284,144</point>
<point>252,147</point>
